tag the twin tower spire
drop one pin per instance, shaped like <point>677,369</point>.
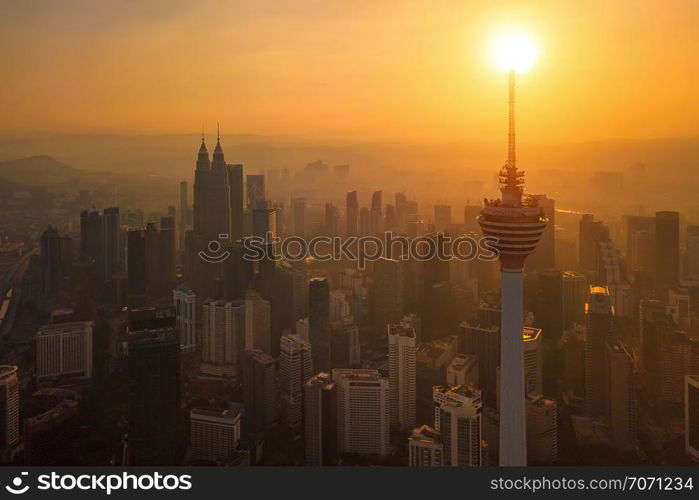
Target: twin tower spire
<point>218,160</point>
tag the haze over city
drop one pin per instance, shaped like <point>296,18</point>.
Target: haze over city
<point>147,146</point>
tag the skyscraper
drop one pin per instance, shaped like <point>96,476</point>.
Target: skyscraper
<point>295,368</point>
<point>186,316</point>
<point>235,193</point>
<point>255,189</point>
<point>592,233</point>
<point>667,249</point>
<point>425,448</point>
<point>64,349</point>
<point>320,420</point>
<point>319,321</point>
<point>260,392</point>
<point>458,419</point>
<point>51,262</point>
<point>223,338</point>
<point>9,409</point>
<point>298,216</point>
<point>258,322</point>
<point>691,416</point>
<point>136,267</point>
<point>401,375</point>
<point>600,329</point>
<point>214,433</point>
<point>620,397</point>
<point>388,293</point>
<point>154,397</point>
<point>542,429</point>
<point>517,224</point>
<point>363,411</point>
<point>352,210</point>
<point>545,255</point>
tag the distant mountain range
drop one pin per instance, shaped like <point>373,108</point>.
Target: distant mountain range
<point>38,171</point>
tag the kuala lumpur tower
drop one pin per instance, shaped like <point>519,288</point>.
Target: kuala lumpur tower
<point>517,223</point>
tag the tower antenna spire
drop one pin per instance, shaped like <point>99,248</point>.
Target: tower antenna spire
<point>511,157</point>
<point>202,132</point>
<point>218,132</point>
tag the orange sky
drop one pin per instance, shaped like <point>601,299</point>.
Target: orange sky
<point>376,69</point>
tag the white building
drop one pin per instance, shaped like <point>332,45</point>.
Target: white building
<point>458,420</point>
<point>186,317</point>
<point>64,349</point>
<point>363,411</point>
<point>295,367</point>
<point>223,338</point>
<point>401,375</point>
<point>533,359</point>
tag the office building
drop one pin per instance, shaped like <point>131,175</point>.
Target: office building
<point>223,338</point>
<point>186,317</point>
<point>64,350</point>
<point>542,429</point>
<point>401,376</point>
<point>425,448</point>
<point>458,419</point>
<point>320,420</point>
<point>9,408</point>
<point>214,434</point>
<point>363,411</point>
<point>260,392</point>
<point>295,368</point>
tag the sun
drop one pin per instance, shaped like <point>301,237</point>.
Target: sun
<point>516,53</point>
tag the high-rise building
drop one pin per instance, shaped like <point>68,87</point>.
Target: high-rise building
<point>320,420</point>
<point>376,213</point>
<point>544,258</point>
<point>458,419</point>
<point>186,316</point>
<point>363,411</point>
<point>691,416</point>
<point>100,240</point>
<point>64,349</point>
<point>463,370</point>
<point>255,189</point>
<point>600,329</point>
<point>533,359</point>
<point>574,298</point>
<point>692,261</point>
<point>352,210</point>
<point>517,224</point>
<point>388,292</point>
<point>319,321</point>
<point>332,220</point>
<point>401,375</point>
<point>620,397</point>
<point>260,392</point>
<point>51,262</point>
<point>214,433</point>
<point>223,338</point>
<point>9,410</point>
<point>667,248</point>
<point>235,201</point>
<point>258,322</point>
<point>295,368</point>
<point>483,341</point>
<point>298,216</point>
<point>154,397</point>
<point>550,305</point>
<point>49,433</point>
<point>542,430</point>
<point>136,267</point>
<point>679,356</point>
<point>592,233</point>
<point>425,448</point>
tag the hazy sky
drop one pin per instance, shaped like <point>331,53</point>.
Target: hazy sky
<point>375,69</point>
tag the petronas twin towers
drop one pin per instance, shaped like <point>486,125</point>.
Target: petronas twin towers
<point>217,211</point>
